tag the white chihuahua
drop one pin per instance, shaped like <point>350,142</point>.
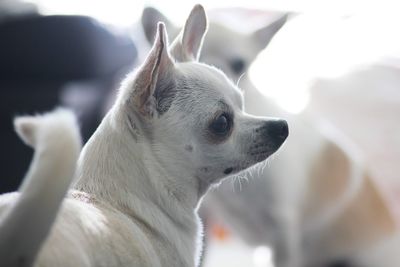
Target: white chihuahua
<point>177,128</point>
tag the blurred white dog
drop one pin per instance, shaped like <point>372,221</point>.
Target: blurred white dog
<point>315,204</point>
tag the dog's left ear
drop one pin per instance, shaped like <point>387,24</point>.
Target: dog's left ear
<point>155,71</point>
<point>187,46</point>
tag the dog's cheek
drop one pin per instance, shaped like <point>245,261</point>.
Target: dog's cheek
<point>189,148</point>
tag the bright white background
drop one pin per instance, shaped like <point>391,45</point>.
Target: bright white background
<point>125,12</point>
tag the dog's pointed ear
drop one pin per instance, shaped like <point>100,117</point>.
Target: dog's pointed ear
<point>157,67</point>
<point>264,35</point>
<point>150,17</point>
<point>187,46</point>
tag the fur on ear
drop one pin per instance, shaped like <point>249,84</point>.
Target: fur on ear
<point>157,67</point>
<point>264,35</point>
<point>150,17</point>
<point>187,46</point>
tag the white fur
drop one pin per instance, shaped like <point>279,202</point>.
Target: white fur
<point>30,213</point>
<point>143,173</point>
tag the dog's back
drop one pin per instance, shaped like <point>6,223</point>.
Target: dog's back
<point>27,216</point>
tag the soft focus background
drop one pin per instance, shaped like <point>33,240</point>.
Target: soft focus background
<point>336,60</point>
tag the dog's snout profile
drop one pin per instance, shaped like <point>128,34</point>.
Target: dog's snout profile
<point>269,137</point>
<point>274,132</point>
<point>278,130</point>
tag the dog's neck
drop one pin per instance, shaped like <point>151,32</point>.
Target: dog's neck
<point>120,170</point>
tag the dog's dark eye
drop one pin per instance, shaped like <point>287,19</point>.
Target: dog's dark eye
<point>221,125</point>
<point>238,65</point>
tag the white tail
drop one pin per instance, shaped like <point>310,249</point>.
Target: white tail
<point>26,224</point>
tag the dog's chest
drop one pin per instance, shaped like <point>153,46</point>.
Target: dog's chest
<point>174,244</point>
<point>88,233</point>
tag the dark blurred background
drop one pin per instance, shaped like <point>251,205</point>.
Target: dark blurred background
<point>52,60</point>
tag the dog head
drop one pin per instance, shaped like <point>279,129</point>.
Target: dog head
<point>229,50</point>
<point>190,114</point>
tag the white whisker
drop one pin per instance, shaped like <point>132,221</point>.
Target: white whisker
<point>240,77</point>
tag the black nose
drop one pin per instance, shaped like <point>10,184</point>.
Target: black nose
<point>237,65</point>
<point>278,130</point>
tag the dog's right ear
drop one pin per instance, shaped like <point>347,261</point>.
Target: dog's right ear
<point>187,46</point>
<point>156,70</point>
